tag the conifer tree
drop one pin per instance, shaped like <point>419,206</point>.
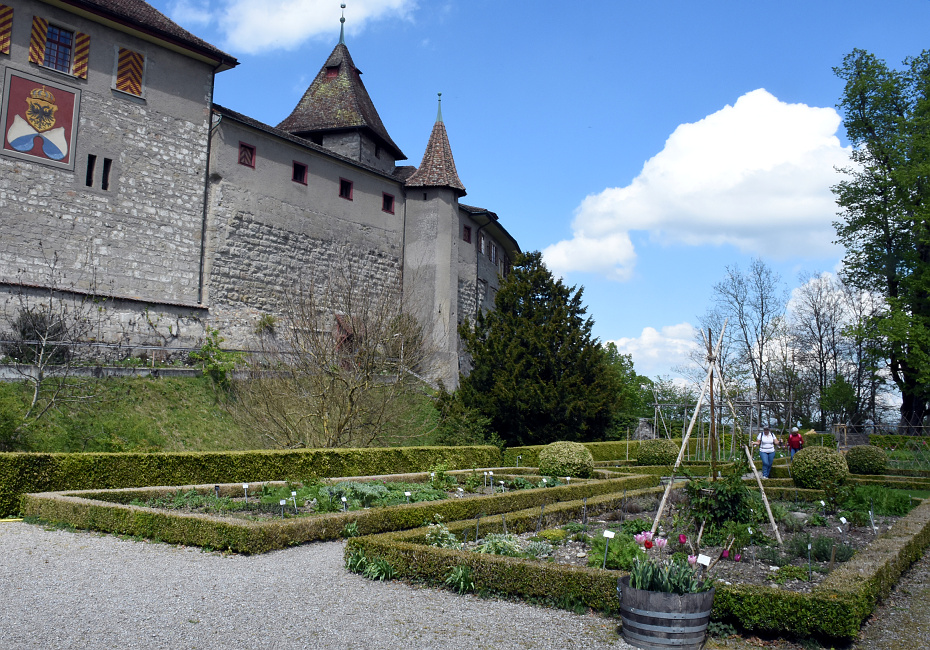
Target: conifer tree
<point>537,373</point>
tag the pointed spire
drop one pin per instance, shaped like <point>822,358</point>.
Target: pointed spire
<point>438,166</point>
<point>342,25</point>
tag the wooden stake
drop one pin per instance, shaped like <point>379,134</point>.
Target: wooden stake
<point>762,491</point>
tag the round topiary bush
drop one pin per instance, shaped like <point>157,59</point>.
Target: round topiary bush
<point>866,459</point>
<point>660,451</point>
<point>566,459</point>
<point>817,468</point>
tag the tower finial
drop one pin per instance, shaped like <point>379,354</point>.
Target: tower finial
<point>342,25</point>
<point>439,112</point>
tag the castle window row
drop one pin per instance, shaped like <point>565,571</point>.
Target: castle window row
<point>489,248</point>
<point>65,50</point>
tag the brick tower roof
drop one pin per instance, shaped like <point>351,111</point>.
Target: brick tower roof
<point>438,166</point>
<point>337,101</point>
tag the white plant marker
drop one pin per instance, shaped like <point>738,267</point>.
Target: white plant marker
<point>294,499</point>
<point>609,535</point>
<point>502,486</point>
<point>568,479</point>
<point>407,494</point>
<point>703,560</point>
<point>245,488</point>
<point>283,503</point>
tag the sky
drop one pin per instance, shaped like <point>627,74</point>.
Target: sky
<point>643,147</point>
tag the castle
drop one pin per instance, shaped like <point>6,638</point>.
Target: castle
<point>119,177</point>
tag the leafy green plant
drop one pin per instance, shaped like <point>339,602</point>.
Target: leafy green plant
<point>379,569</point>
<point>724,500</point>
<point>866,459</point>
<point>720,629</point>
<point>566,459</point>
<point>350,530</point>
<point>790,572</point>
<point>553,535</point>
<point>460,579</point>
<point>538,548</point>
<point>575,527</point>
<point>634,526</point>
<point>266,324</point>
<point>499,544</point>
<point>357,562</point>
<point>439,480</point>
<point>886,502</point>
<point>438,535</point>
<point>667,577</point>
<point>621,552</point>
<point>817,519</point>
<point>216,362</point>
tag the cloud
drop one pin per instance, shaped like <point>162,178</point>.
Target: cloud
<point>657,352</point>
<point>755,175</point>
<point>254,27</point>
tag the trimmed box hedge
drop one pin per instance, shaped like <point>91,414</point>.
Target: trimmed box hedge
<point>25,472</point>
<point>106,511</point>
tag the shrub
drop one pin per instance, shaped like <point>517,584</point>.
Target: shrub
<point>553,535</point>
<point>566,459</point>
<point>818,467</point>
<point>657,452</point>
<point>866,459</point>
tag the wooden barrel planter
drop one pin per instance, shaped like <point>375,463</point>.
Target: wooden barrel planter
<point>656,620</point>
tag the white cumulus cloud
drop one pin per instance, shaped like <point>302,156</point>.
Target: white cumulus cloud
<point>658,352</point>
<point>257,26</point>
<point>755,175</point>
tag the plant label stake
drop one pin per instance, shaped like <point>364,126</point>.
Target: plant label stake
<point>810,570</point>
<point>568,479</point>
<point>832,557</point>
<point>294,499</point>
<point>216,488</point>
<point>824,506</point>
<point>485,479</point>
<point>345,505</point>
<point>502,486</point>
<point>544,482</point>
<point>407,494</point>
<point>283,503</point>
<point>872,516</point>
<point>518,460</point>
<point>459,492</point>
<point>584,512</point>
<point>608,535</point>
<point>751,548</point>
<point>245,488</point>
<point>477,523</point>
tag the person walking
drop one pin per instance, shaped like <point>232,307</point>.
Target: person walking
<point>795,442</point>
<point>766,442</point>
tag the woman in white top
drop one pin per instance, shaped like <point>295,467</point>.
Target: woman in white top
<point>766,442</point>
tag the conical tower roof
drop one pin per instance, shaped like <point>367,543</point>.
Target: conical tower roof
<point>438,166</point>
<point>338,101</point>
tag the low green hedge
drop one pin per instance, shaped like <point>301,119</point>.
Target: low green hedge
<point>104,511</point>
<point>886,442</point>
<point>21,473</point>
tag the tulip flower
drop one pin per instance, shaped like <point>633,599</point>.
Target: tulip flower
<point>639,539</point>
<point>647,544</point>
<point>661,542</point>
<point>648,535</point>
<point>692,560</point>
<point>682,539</point>
<point>737,557</point>
<point>726,553</point>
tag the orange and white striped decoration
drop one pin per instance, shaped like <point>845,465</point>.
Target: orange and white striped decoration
<point>37,40</point>
<point>6,28</point>
<point>81,55</point>
<point>129,72</point>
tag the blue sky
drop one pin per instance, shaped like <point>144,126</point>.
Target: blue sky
<point>642,146</point>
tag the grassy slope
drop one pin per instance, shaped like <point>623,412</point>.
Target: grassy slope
<point>178,414</point>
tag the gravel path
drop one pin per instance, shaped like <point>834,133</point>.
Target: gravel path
<point>85,590</point>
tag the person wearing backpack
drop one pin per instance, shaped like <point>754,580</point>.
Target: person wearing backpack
<point>795,442</point>
<point>766,442</point>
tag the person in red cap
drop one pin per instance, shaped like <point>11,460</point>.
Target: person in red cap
<point>795,442</point>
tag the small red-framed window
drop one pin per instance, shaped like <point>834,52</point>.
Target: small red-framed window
<point>299,173</point>
<point>466,234</point>
<point>247,155</point>
<point>387,203</point>
<point>345,189</point>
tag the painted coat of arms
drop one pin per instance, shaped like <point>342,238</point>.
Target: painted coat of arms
<point>39,120</point>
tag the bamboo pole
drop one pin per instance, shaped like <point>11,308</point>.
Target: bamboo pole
<point>762,491</point>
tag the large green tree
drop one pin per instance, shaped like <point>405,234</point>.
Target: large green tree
<point>537,372</point>
<point>885,224</point>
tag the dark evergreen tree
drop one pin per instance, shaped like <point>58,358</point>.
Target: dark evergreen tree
<point>537,373</point>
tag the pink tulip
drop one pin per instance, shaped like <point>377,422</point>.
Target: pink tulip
<point>737,558</point>
<point>692,560</point>
<point>726,554</point>
<point>639,539</point>
<point>648,535</point>
<point>682,539</point>
<point>661,542</point>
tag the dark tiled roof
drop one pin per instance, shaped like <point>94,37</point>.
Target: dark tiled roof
<point>438,166</point>
<point>143,16</point>
<point>339,102</point>
<point>290,137</point>
<point>403,172</point>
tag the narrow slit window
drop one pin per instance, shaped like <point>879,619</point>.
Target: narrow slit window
<point>246,155</point>
<point>345,189</point>
<point>387,203</point>
<point>299,175</point>
<point>91,163</point>
<point>105,180</point>
<point>466,234</point>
